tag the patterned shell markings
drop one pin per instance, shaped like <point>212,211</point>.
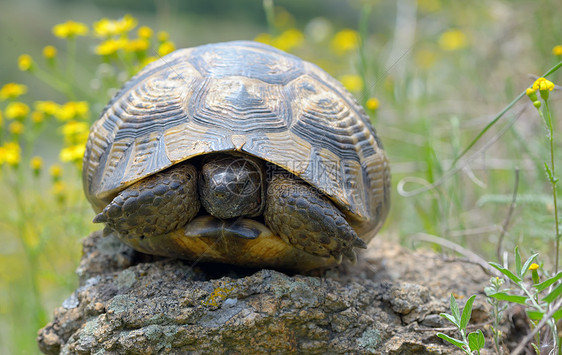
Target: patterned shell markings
<point>240,96</point>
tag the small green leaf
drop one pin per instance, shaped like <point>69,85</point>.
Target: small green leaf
<point>557,315</point>
<point>506,272</point>
<point>548,172</point>
<point>466,312</point>
<point>450,318</point>
<point>453,341</point>
<point>455,309</point>
<point>502,296</point>
<point>518,262</point>
<point>535,315</point>
<point>476,340</point>
<point>546,283</point>
<point>537,350</point>
<point>553,294</point>
<point>527,264</point>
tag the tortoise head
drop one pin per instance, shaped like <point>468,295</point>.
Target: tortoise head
<point>232,186</point>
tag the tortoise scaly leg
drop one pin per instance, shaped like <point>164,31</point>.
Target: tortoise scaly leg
<point>307,220</point>
<point>153,206</point>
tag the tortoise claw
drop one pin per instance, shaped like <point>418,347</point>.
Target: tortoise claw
<point>359,243</point>
<point>100,218</point>
<point>107,231</point>
<point>339,258</point>
<point>350,254</point>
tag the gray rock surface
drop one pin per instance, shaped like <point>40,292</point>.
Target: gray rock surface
<point>130,303</point>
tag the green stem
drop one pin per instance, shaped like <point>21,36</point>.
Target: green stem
<point>70,58</point>
<point>270,16</point>
<point>55,83</point>
<point>553,181</point>
<point>362,67</point>
<point>465,340</point>
<point>496,325</point>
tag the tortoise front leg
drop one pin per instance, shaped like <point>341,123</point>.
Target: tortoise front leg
<point>156,205</point>
<point>301,216</point>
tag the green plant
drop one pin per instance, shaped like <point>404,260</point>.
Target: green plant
<point>538,297</point>
<point>498,308</point>
<point>469,342</point>
<point>48,211</point>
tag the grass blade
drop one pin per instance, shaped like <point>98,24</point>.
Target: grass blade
<point>506,272</point>
<point>499,115</point>
<point>518,263</point>
<point>467,312</point>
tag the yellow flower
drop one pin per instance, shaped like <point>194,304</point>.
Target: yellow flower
<point>72,109</point>
<point>137,45</point>
<point>144,32</point>
<point>58,188</point>
<point>557,50</point>
<point>531,94</point>
<point>543,84</point>
<point>75,128</point>
<point>110,46</point>
<point>106,27</point>
<point>166,48</point>
<point>56,171</point>
<point>126,23</point>
<point>344,41</point>
<point>16,128</point>
<point>289,39</point>
<point>148,60</point>
<point>70,29</point>
<point>453,40</point>
<point>74,153</point>
<point>36,163</point>
<point>372,103</point>
<point>16,110</point>
<point>47,107</point>
<point>163,36</point>
<point>49,52</point>
<point>533,266</point>
<point>264,38</point>
<point>10,153</point>
<point>1,119</point>
<point>12,91</point>
<point>25,62</point>
<point>37,116</point>
<point>352,83</point>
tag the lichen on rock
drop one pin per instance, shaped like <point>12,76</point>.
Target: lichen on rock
<point>131,303</point>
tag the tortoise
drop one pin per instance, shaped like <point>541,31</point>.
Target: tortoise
<point>237,153</point>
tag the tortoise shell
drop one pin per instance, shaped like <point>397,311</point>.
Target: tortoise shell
<point>244,97</point>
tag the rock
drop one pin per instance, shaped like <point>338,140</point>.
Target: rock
<point>131,303</point>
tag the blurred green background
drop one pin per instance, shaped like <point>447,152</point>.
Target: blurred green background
<point>432,74</point>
